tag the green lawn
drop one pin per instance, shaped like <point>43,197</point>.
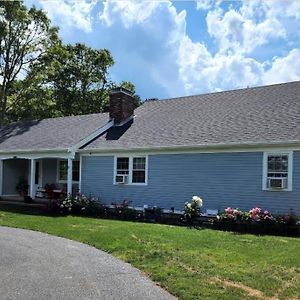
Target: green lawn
<point>191,264</point>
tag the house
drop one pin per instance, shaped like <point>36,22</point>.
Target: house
<point>237,148</point>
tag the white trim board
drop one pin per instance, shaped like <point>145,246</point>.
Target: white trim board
<point>57,172</point>
<point>1,177</point>
<point>119,152</point>
<point>80,172</point>
<point>37,155</point>
<point>92,136</point>
<point>210,148</point>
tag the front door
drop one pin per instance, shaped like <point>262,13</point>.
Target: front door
<point>38,174</point>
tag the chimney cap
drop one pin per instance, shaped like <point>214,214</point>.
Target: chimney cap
<point>121,89</point>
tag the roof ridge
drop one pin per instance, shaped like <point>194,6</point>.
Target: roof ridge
<point>227,91</point>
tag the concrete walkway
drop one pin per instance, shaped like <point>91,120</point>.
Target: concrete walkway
<point>34,265</point>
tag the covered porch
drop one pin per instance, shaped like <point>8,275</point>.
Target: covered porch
<point>38,175</point>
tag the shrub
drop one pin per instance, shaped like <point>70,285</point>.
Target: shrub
<point>66,205</point>
<point>80,204</point>
<point>257,221</point>
<point>130,214</point>
<point>192,210</point>
<point>87,205</point>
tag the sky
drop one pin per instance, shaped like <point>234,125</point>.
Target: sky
<point>178,48</point>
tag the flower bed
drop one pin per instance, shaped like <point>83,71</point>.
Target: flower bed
<point>255,220</point>
<point>258,221</point>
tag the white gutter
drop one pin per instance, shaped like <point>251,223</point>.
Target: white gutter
<point>198,147</point>
<point>57,151</point>
<point>90,137</point>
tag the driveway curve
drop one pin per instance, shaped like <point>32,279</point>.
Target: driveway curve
<point>35,265</point>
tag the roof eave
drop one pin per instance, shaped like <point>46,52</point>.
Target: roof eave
<point>200,147</point>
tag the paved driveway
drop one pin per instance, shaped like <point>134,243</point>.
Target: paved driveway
<point>34,265</point>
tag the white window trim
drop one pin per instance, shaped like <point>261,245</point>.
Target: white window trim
<point>57,172</point>
<point>130,169</point>
<point>290,171</point>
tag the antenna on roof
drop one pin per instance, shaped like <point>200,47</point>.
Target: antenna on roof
<point>151,99</point>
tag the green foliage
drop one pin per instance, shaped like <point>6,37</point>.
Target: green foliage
<point>40,77</point>
<point>78,78</point>
<point>25,37</point>
<point>80,204</point>
<point>191,264</point>
<point>192,210</point>
<point>258,221</point>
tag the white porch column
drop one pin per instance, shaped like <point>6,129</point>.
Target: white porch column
<point>32,178</point>
<point>70,175</point>
<point>1,177</point>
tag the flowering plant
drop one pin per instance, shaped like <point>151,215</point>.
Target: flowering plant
<point>192,209</point>
<point>234,214</point>
<point>255,214</point>
<point>66,205</point>
<point>79,204</point>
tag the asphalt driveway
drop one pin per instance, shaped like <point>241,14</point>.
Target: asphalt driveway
<point>34,265</point>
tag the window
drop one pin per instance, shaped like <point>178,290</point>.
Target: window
<point>131,170</point>
<point>139,170</point>
<point>63,171</point>
<point>277,171</point>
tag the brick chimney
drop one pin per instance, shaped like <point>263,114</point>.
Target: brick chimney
<point>121,105</point>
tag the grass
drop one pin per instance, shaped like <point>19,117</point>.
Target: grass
<point>189,263</point>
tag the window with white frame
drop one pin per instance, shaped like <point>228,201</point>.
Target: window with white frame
<point>278,171</point>
<point>63,170</point>
<point>131,170</point>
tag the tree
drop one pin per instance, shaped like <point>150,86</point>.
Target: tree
<point>25,37</point>
<point>78,77</point>
<point>131,87</point>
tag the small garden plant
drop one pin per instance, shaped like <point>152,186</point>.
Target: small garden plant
<point>257,220</point>
<point>192,210</point>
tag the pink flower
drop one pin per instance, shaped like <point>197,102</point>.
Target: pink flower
<point>229,210</point>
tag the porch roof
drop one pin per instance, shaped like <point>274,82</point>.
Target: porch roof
<point>49,134</point>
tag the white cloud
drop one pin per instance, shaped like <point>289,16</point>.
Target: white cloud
<point>284,69</point>
<point>130,12</point>
<point>71,13</point>
<point>237,33</point>
<point>152,48</point>
<point>203,72</point>
<point>204,4</point>
<point>207,4</point>
<point>156,28</point>
<point>275,8</point>
<point>233,31</point>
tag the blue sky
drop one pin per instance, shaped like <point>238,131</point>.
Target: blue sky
<point>176,48</point>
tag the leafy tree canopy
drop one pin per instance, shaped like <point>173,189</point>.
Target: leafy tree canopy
<point>42,77</point>
<point>25,37</point>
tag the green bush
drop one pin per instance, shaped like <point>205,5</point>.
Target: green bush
<point>192,210</point>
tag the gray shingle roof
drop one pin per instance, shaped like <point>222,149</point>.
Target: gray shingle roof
<point>56,133</point>
<point>267,114</point>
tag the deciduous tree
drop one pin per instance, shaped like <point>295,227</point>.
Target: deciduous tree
<point>25,37</point>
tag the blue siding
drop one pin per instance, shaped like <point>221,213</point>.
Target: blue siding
<point>221,179</point>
